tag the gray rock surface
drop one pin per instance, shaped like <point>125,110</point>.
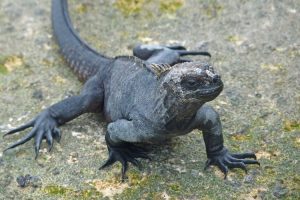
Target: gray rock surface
<point>255,47</point>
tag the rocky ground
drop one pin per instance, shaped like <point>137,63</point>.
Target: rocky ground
<point>255,47</point>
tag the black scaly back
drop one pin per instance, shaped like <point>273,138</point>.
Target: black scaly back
<point>156,69</point>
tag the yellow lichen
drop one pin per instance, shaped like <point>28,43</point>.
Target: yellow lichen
<point>218,173</point>
<point>146,40</point>
<point>59,80</point>
<point>143,36</point>
<point>135,178</point>
<point>294,53</point>
<point>213,9</point>
<point>272,67</point>
<point>129,7</point>
<point>10,63</point>
<point>263,154</point>
<point>109,188</point>
<point>236,39</point>
<point>297,142</point>
<point>254,194</point>
<point>170,6</point>
<point>81,8</point>
<point>241,137</point>
<point>160,196</point>
<point>291,125</point>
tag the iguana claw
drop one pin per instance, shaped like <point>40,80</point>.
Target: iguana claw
<point>124,153</point>
<point>43,127</point>
<point>225,160</point>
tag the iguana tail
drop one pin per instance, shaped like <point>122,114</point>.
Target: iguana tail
<point>84,60</point>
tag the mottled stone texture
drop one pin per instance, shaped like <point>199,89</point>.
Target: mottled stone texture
<point>255,46</point>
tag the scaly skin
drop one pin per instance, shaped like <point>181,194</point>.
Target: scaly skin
<point>153,96</point>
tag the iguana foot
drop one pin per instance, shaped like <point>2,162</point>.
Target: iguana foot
<point>146,52</point>
<point>176,47</point>
<point>225,160</point>
<point>44,127</point>
<point>183,52</point>
<point>124,153</point>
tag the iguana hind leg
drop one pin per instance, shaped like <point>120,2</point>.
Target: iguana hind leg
<point>159,54</point>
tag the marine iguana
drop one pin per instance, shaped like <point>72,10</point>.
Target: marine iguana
<point>151,96</point>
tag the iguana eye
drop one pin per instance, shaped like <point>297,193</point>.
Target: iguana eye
<point>190,84</point>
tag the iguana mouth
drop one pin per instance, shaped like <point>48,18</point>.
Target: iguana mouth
<point>211,84</point>
<point>211,91</point>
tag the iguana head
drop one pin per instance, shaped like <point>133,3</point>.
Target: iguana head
<point>192,82</point>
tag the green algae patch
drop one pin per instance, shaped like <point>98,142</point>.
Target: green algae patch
<point>129,7</point>
<point>175,187</point>
<point>291,125</point>
<point>170,6</point>
<point>57,190</point>
<point>142,185</point>
<point>241,137</point>
<point>3,69</point>
<point>135,178</point>
<point>294,184</point>
<point>268,174</point>
<point>61,191</point>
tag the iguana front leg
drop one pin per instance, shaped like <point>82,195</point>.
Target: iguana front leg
<point>120,137</point>
<point>207,120</point>
<point>45,125</point>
